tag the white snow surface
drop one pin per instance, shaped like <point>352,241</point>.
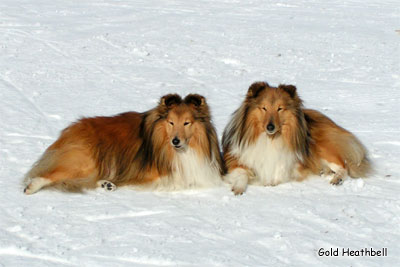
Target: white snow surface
<point>60,60</point>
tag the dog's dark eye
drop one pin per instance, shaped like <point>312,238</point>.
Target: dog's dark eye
<point>170,122</point>
<point>279,109</point>
<point>186,123</point>
<point>264,108</point>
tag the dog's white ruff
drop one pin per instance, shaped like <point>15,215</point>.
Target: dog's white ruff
<point>270,159</point>
<point>190,170</point>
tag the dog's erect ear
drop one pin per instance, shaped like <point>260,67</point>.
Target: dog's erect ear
<point>256,88</point>
<point>196,100</point>
<point>170,100</point>
<point>290,89</point>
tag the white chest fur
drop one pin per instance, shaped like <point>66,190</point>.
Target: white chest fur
<point>270,159</point>
<point>189,171</point>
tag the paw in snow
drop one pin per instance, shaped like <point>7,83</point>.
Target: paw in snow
<point>239,186</point>
<point>337,179</point>
<point>339,174</point>
<point>107,185</point>
<point>28,191</point>
<point>237,190</point>
<point>239,179</point>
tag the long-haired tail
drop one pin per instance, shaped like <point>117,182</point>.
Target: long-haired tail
<point>356,157</point>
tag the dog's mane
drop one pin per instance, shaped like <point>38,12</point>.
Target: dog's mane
<point>152,152</point>
<point>300,138</point>
<point>202,115</point>
<point>237,133</point>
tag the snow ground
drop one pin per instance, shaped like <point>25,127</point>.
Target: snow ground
<point>60,60</point>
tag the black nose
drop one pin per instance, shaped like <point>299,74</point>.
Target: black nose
<point>176,141</point>
<point>270,127</point>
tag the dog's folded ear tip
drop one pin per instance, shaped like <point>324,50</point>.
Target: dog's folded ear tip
<point>255,88</point>
<point>288,88</point>
<point>170,99</point>
<point>195,99</point>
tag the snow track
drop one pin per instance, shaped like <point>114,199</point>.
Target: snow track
<point>60,60</point>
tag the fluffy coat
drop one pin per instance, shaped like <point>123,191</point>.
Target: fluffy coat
<point>272,139</point>
<point>173,146</point>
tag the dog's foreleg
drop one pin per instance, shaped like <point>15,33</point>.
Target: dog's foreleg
<point>238,178</point>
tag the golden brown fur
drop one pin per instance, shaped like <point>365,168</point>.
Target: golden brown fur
<point>130,148</point>
<point>301,140</point>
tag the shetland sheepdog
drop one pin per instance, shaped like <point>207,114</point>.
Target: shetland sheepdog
<point>272,139</point>
<point>173,146</point>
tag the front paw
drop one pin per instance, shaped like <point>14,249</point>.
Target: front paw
<point>239,179</point>
<point>238,190</point>
<point>107,185</point>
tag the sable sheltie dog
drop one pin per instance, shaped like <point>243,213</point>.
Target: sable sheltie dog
<point>272,139</point>
<point>173,146</point>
